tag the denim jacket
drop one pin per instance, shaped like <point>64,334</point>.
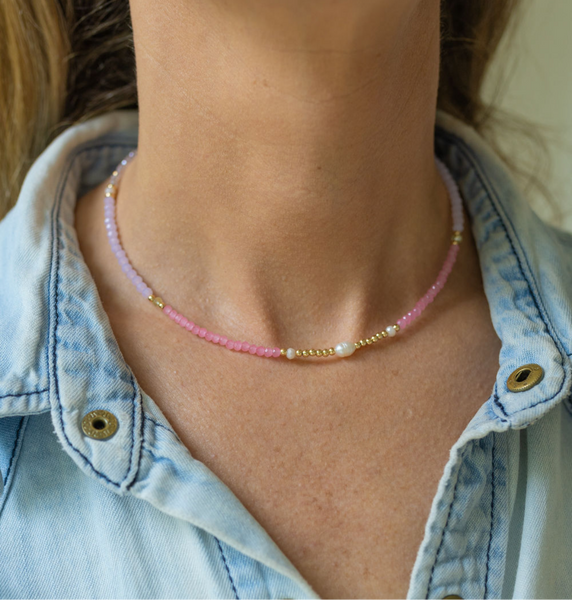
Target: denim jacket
<point>135,515</point>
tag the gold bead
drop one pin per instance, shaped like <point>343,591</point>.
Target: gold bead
<point>157,301</point>
<point>396,327</point>
<point>332,351</point>
<point>312,352</point>
<point>384,333</point>
<point>318,353</point>
<point>369,341</point>
<point>282,351</point>
<point>115,173</point>
<point>363,342</point>
<point>378,335</point>
<point>304,353</point>
<point>298,352</point>
<point>357,345</point>
<point>456,238</point>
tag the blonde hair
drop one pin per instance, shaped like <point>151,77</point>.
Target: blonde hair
<point>62,62</point>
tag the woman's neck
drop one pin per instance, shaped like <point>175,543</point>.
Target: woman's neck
<point>285,179</point>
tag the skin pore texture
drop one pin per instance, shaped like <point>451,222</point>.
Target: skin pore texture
<point>284,193</point>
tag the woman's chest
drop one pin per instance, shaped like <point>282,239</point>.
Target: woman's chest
<point>340,470</point>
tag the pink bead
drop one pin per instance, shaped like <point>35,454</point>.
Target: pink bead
<point>173,315</point>
<point>268,352</point>
<point>260,350</point>
<point>216,338</point>
<point>276,352</point>
<point>195,329</point>
<point>202,332</point>
<point>237,346</point>
<point>209,336</point>
<point>245,346</point>
<point>189,326</point>
<point>183,322</point>
<point>178,318</point>
<point>167,309</point>
<point>252,349</point>
<point>229,344</point>
<point>223,340</point>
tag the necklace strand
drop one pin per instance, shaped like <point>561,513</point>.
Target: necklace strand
<point>343,349</point>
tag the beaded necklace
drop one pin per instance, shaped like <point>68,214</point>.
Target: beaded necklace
<point>342,349</point>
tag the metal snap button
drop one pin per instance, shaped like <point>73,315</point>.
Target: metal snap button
<point>99,424</point>
<point>525,377</point>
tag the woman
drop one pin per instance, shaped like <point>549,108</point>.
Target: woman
<point>284,185</point>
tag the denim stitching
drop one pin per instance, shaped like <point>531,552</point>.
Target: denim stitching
<point>497,402</point>
<point>142,437</point>
<point>55,243</point>
<point>461,458</point>
<point>472,159</point>
<point>227,569</point>
<point>492,515</point>
<point>157,423</point>
<point>14,448</point>
<point>17,442</point>
<point>469,156</point>
<point>24,394</point>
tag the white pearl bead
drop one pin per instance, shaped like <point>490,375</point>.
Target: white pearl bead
<point>290,353</point>
<point>390,331</point>
<point>345,349</point>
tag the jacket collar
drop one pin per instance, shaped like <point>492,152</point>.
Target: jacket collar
<point>52,320</point>
<point>526,267</point>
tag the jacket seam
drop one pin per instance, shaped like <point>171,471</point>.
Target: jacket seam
<point>24,394</point>
<point>487,572</point>
<point>141,437</point>
<point>541,310</point>
<point>437,554</point>
<point>15,450</point>
<point>227,569</point>
<point>158,424</point>
<point>54,272</point>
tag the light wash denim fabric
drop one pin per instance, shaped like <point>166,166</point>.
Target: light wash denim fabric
<point>136,516</point>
